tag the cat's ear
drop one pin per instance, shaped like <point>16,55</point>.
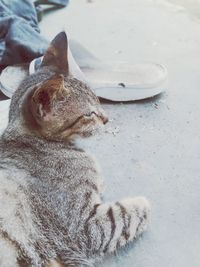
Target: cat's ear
<point>56,56</point>
<point>44,97</point>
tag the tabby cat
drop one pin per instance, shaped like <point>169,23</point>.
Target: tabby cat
<point>51,212</point>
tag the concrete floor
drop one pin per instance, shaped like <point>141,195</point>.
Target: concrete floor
<point>150,147</point>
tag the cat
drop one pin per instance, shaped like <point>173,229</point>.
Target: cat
<point>51,211</point>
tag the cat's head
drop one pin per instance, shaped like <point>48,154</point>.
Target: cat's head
<point>55,105</point>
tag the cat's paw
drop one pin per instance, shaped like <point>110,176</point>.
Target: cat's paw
<point>143,212</point>
<point>139,210</point>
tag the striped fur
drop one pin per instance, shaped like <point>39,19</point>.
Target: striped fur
<point>51,212</point>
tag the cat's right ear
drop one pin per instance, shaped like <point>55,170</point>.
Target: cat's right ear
<point>56,55</point>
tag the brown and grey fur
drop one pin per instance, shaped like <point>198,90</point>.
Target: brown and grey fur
<point>51,212</point>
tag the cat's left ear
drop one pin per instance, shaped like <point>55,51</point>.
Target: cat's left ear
<point>56,55</point>
<point>43,98</point>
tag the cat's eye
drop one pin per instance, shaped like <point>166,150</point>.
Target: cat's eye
<point>89,114</point>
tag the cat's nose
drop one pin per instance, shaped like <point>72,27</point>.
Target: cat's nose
<point>104,118</point>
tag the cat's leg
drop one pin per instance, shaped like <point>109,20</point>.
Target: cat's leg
<point>111,226</point>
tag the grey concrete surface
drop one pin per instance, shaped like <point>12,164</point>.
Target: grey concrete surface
<point>151,147</point>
